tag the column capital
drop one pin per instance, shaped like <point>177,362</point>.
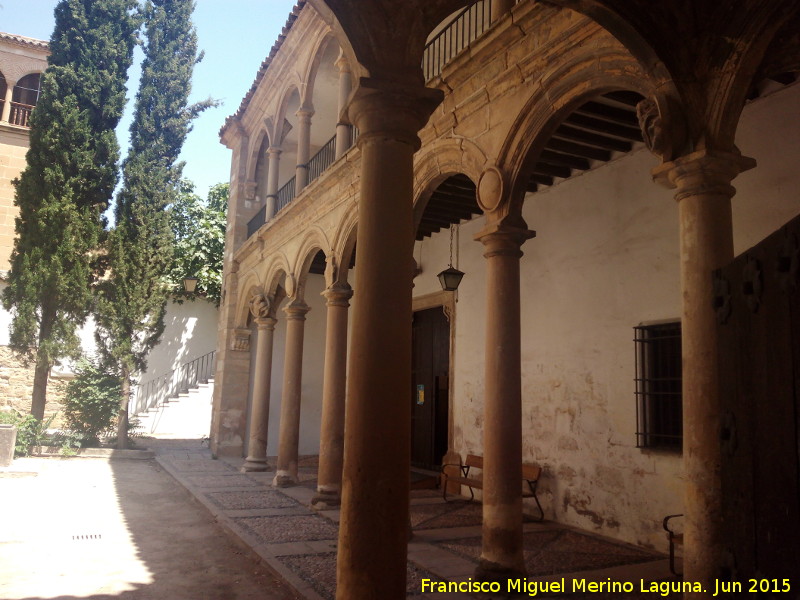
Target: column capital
<point>503,238</point>
<point>274,151</point>
<point>702,172</point>
<point>341,64</point>
<point>304,114</point>
<point>265,323</point>
<point>260,306</point>
<point>338,294</point>
<point>296,310</point>
<point>386,109</point>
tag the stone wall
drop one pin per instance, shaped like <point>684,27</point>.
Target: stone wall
<point>16,386</point>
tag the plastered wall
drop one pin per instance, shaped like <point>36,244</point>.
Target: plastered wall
<point>604,260</point>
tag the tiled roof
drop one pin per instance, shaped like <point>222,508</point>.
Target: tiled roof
<point>265,65</point>
<point>23,41</point>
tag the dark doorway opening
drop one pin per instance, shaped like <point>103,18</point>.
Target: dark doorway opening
<point>430,387</point>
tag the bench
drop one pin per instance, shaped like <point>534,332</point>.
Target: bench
<point>675,539</point>
<point>465,475</point>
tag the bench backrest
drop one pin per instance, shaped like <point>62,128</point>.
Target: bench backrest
<point>531,472</point>
<point>474,461</point>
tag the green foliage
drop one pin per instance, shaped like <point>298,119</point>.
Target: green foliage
<point>132,300</point>
<point>199,230</point>
<point>31,432</point>
<point>70,175</point>
<point>91,402</point>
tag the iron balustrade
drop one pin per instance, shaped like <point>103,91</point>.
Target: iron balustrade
<point>257,221</point>
<point>158,391</point>
<point>285,195</point>
<point>464,28</point>
<point>322,159</point>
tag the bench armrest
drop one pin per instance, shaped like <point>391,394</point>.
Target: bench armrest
<point>666,521</point>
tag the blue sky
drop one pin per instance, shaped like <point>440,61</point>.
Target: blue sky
<point>236,36</point>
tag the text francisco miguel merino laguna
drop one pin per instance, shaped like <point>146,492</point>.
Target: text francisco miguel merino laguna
<point>534,588</point>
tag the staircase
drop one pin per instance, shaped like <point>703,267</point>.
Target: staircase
<point>178,403</point>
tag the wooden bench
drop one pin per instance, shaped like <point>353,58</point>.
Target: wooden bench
<point>675,539</point>
<point>467,477</point>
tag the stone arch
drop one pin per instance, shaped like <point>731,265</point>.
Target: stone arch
<point>277,276</point>
<point>570,84</point>
<point>313,241</point>
<point>312,69</point>
<point>278,134</point>
<point>437,162</point>
<point>264,135</point>
<point>344,246</point>
<point>250,285</point>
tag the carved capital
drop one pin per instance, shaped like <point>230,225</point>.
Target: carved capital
<point>338,294</point>
<point>703,172</point>
<point>385,109</point>
<point>664,135</point>
<point>296,310</point>
<point>267,323</point>
<point>505,238</point>
<point>260,306</point>
<point>250,190</point>
<point>240,340</point>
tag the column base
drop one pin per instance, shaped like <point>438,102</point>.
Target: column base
<point>284,479</point>
<point>489,571</point>
<point>324,500</point>
<point>252,465</point>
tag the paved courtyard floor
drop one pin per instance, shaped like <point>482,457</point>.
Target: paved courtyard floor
<point>299,543</point>
<point>100,529</point>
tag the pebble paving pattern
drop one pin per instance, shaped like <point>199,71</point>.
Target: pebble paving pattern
<point>288,528</point>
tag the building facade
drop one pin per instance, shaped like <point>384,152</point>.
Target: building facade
<point>587,346</point>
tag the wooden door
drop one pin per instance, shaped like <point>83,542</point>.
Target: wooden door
<point>758,309</point>
<point>429,387</point>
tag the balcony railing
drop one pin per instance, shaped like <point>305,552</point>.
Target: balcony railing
<point>317,165</point>
<point>322,159</point>
<point>20,114</point>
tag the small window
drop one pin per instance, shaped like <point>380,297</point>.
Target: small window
<point>27,90</point>
<point>658,386</point>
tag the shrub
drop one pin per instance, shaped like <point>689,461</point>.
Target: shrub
<point>91,404</point>
<point>30,430</point>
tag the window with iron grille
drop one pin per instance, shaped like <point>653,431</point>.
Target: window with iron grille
<point>658,386</point>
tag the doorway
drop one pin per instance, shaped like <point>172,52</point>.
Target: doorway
<point>430,387</point>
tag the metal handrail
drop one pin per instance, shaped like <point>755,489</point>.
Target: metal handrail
<point>285,195</point>
<point>157,391</point>
<point>323,159</point>
<point>257,221</point>
<point>464,28</point>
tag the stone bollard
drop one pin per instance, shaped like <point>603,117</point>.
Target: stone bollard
<point>8,439</point>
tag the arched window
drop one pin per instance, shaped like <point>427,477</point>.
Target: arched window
<point>25,97</point>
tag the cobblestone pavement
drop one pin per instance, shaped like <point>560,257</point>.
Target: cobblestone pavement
<point>299,543</point>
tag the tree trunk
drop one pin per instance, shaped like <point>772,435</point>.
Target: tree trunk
<point>122,421</point>
<point>39,395</point>
<point>42,372</point>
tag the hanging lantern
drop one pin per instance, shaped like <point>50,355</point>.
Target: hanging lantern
<point>450,278</point>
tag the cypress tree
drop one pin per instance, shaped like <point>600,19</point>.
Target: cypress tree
<point>132,300</point>
<point>70,175</point>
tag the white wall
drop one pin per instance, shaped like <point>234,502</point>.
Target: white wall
<point>190,332</point>
<point>604,260</point>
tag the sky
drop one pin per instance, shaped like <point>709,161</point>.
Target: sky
<point>236,36</point>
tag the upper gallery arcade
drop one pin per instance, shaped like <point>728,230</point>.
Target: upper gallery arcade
<point>383,141</point>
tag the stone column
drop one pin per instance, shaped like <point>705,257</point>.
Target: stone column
<point>7,101</point>
<point>331,450</point>
<point>501,554</point>
<point>373,531</point>
<point>259,410</point>
<point>289,439</point>
<point>703,191</point>
<point>343,129</point>
<point>272,181</point>
<point>501,7</point>
<point>303,148</point>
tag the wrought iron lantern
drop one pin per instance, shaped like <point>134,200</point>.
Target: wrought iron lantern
<point>450,278</point>
<point>190,284</point>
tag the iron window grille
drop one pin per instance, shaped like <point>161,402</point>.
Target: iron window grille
<point>659,398</point>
